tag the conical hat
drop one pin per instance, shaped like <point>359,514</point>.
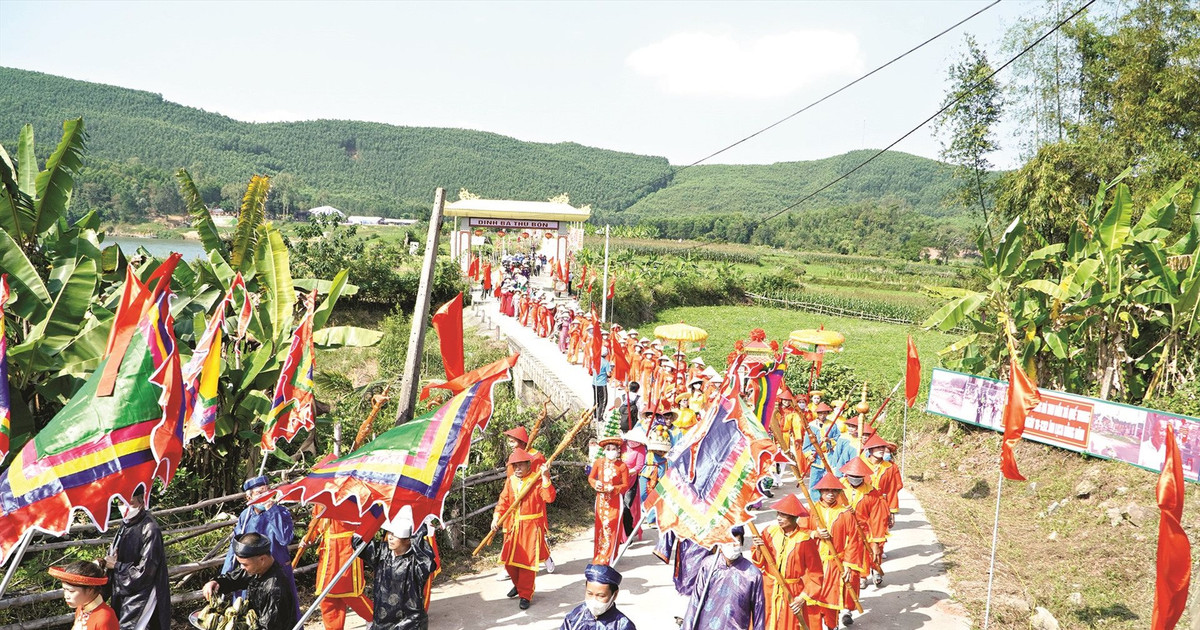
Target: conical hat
<point>829,482</point>
<point>856,468</point>
<point>875,442</point>
<point>791,506</point>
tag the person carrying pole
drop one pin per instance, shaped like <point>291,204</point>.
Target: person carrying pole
<point>788,546</point>
<point>524,530</point>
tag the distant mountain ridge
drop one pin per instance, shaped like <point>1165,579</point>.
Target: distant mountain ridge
<point>375,168</point>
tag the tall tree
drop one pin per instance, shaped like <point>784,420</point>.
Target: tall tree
<point>967,127</point>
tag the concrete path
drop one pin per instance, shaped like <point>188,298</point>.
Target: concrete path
<point>915,593</point>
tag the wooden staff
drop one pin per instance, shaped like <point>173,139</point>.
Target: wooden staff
<point>537,424</point>
<point>364,431</point>
<point>829,471</point>
<point>774,571</point>
<point>562,446</point>
<point>887,400</point>
<point>825,526</point>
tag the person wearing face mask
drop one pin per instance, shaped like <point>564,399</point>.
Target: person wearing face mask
<point>404,563</point>
<point>81,584</point>
<point>870,509</point>
<point>137,561</point>
<point>610,479</point>
<point>269,519</point>
<point>840,544</point>
<point>885,475</point>
<point>518,437</point>
<point>728,594</point>
<point>848,446</point>
<point>827,434</point>
<point>267,587</point>
<point>635,459</point>
<point>598,610</point>
<point>788,543</point>
<point>524,530</point>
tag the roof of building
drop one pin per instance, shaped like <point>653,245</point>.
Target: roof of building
<point>327,210</point>
<point>511,209</point>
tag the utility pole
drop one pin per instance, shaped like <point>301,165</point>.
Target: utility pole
<point>416,339</point>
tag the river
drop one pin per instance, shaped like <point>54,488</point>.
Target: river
<point>160,247</point>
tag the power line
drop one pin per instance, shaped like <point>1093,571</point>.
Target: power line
<point>676,170</point>
<point>963,94</point>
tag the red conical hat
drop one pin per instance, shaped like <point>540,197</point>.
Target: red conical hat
<point>791,506</point>
<point>851,421</point>
<point>519,455</point>
<point>823,408</point>
<point>519,433</point>
<point>856,468</point>
<point>875,442</point>
<point>829,482</point>
<point>866,429</point>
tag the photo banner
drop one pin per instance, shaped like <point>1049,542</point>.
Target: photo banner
<point>1134,435</point>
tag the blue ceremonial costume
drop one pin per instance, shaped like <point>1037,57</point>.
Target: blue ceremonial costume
<point>726,597</point>
<point>581,619</point>
<point>685,558</point>
<point>817,470</point>
<point>274,523</point>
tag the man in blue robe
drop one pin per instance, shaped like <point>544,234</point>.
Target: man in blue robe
<point>598,610</point>
<point>828,436</point>
<point>728,593</point>
<point>270,520</point>
<point>848,446</point>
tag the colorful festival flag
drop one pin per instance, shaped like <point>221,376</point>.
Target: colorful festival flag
<point>99,447</point>
<point>765,379</point>
<point>292,405</point>
<point>1022,398</point>
<point>412,464</point>
<point>912,374</point>
<point>1174,551</point>
<point>247,309</point>
<point>712,475</point>
<point>200,377</point>
<point>448,322</point>
<point>5,402</point>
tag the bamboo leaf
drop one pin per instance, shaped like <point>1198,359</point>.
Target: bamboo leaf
<point>201,218</point>
<point>346,336</point>
<point>54,185</point>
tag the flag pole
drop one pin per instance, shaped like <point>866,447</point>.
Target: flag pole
<point>329,587</point>
<point>15,560</point>
<point>987,607</point>
<point>903,439</point>
<point>604,295</point>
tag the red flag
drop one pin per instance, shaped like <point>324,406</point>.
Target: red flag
<point>487,276</point>
<point>620,361</point>
<point>912,375</point>
<point>612,288</point>
<point>597,343</point>
<point>1022,398</point>
<point>448,322</point>
<point>1174,550</point>
<point>559,268</point>
<point>473,269</point>
<point>474,376</point>
<point>583,277</point>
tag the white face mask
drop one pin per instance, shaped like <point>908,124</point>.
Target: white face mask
<point>611,453</point>
<point>854,481</point>
<point>731,551</point>
<point>597,607</point>
<point>127,511</point>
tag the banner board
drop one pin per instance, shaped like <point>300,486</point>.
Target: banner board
<point>515,224</point>
<point>1097,427</point>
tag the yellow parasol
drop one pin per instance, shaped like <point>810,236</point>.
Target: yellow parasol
<point>810,340</point>
<point>681,333</point>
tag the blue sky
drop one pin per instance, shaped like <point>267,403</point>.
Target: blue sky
<point>675,79</point>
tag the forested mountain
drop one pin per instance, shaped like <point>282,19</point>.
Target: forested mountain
<point>137,140</point>
<point>365,168</point>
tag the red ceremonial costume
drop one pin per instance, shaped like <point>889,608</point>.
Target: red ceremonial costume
<point>525,529</point>
<point>336,548</point>
<point>610,479</point>
<point>96,615</point>
<point>843,550</point>
<point>799,563</point>
<point>885,475</point>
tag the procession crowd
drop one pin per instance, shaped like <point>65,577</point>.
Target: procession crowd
<point>805,570</point>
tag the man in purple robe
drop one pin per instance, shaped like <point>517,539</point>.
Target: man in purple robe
<point>728,593</point>
<point>684,556</point>
<point>598,610</point>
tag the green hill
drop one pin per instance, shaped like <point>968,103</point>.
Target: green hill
<point>364,168</point>
<point>894,206</point>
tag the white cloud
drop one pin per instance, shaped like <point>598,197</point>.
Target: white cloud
<point>707,64</point>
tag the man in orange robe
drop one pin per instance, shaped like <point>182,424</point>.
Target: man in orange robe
<point>336,548</point>
<point>648,365</point>
<point>610,479</point>
<point>789,542</point>
<point>885,475</point>
<point>870,508</point>
<point>524,529</point>
<point>841,548</point>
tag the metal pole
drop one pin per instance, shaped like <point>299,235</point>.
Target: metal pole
<point>329,587</point>
<point>987,607</point>
<point>903,439</point>
<point>604,289</point>
<point>628,543</point>
<point>15,560</point>
<point>416,338</point>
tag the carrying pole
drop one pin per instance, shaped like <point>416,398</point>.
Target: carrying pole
<point>15,560</point>
<point>329,587</point>
<point>420,319</point>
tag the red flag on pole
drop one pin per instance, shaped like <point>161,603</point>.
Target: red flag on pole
<point>487,276</point>
<point>612,288</point>
<point>448,322</point>
<point>582,278</point>
<point>1174,550</point>
<point>597,343</point>
<point>1022,398</point>
<point>912,375</point>
<point>473,269</point>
